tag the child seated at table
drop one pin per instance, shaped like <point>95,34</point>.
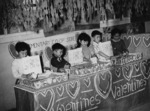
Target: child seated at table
<point>84,41</point>
<point>97,40</point>
<point>23,50</point>
<point>58,63</point>
<point>118,45</point>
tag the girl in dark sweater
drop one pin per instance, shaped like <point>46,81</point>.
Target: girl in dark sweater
<point>119,47</point>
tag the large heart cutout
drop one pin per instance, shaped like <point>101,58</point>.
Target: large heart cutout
<point>127,40</point>
<point>87,81</point>
<point>48,53</point>
<point>60,90</point>
<point>145,68</point>
<point>73,88</point>
<point>146,41</point>
<point>127,71</point>
<point>46,99</point>
<point>12,50</point>
<point>103,83</point>
<point>136,40</point>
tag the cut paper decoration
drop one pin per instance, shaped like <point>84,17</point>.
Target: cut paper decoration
<point>75,56</point>
<point>12,50</point>
<point>31,65</point>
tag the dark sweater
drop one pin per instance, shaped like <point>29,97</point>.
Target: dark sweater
<point>119,47</point>
<point>59,63</point>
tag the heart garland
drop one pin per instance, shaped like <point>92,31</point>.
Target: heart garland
<point>46,99</point>
<point>136,40</point>
<point>103,83</point>
<point>146,41</point>
<point>145,68</point>
<point>73,88</point>
<point>118,72</point>
<point>127,40</point>
<point>127,72</point>
<point>60,90</point>
<point>87,81</point>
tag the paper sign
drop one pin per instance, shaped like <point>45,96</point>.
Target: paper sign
<point>31,65</point>
<point>75,56</point>
<point>94,60</point>
<point>106,48</point>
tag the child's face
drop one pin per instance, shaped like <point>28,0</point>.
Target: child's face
<point>22,54</point>
<point>97,38</point>
<point>58,52</point>
<point>84,43</point>
<point>116,36</point>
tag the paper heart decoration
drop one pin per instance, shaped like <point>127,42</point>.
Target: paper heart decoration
<point>12,50</point>
<point>145,68</point>
<point>60,90</point>
<point>48,53</point>
<point>87,82</point>
<point>127,40</point>
<point>73,88</point>
<point>65,77</point>
<point>137,67</point>
<point>103,83</point>
<point>146,41</point>
<point>127,71</point>
<point>118,72</point>
<point>59,78</point>
<point>136,40</point>
<point>46,99</point>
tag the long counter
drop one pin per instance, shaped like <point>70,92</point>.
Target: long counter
<point>118,88</point>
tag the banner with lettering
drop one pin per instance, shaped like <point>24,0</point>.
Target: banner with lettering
<point>120,88</point>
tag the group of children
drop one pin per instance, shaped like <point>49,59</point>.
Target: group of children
<point>90,48</point>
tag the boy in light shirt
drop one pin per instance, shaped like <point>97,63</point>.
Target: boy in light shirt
<point>23,50</point>
<point>97,41</point>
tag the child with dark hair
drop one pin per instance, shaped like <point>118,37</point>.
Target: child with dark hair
<point>23,50</point>
<point>97,40</point>
<point>59,64</point>
<point>23,47</point>
<point>97,34</point>
<point>118,44</point>
<point>84,41</point>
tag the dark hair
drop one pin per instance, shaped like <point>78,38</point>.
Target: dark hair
<point>22,46</point>
<point>115,31</point>
<point>85,37</point>
<point>57,46</point>
<point>96,32</point>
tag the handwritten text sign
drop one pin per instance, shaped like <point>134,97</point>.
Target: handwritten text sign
<point>127,59</point>
<point>75,56</point>
<point>31,64</point>
<point>106,48</point>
